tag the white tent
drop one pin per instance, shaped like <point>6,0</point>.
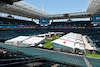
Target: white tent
<point>64,43</point>
<point>59,33</point>
<point>16,41</point>
<point>47,35</point>
<point>40,45</point>
<point>71,40</point>
<point>41,35</point>
<point>79,46</point>
<point>71,36</point>
<point>79,41</point>
<point>44,35</point>
<point>52,33</point>
<point>33,41</point>
<point>68,39</point>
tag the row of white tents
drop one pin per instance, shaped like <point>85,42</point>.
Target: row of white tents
<point>69,42</point>
<point>26,41</point>
<point>49,34</point>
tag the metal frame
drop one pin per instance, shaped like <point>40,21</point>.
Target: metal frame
<point>94,7</point>
<point>25,10</point>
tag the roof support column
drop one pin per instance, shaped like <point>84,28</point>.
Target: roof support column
<point>90,18</point>
<point>52,20</point>
<point>69,19</point>
<point>32,19</point>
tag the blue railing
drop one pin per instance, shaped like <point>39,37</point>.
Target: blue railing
<point>95,46</point>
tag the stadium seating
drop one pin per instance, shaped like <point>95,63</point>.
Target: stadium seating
<point>10,58</point>
<point>71,59</point>
<point>72,24</point>
<point>8,34</point>
<point>47,64</point>
<point>94,62</point>
<point>14,22</point>
<point>66,58</point>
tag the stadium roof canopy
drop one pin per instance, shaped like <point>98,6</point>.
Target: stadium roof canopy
<point>9,1</point>
<point>94,7</point>
<point>25,10</point>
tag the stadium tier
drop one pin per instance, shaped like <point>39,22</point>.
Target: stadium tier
<point>49,42</point>
<point>31,28</point>
<point>57,57</point>
<point>94,62</point>
<point>54,56</point>
<point>72,24</point>
<point>10,58</point>
<point>14,22</point>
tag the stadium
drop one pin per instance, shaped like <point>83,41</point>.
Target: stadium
<point>48,43</point>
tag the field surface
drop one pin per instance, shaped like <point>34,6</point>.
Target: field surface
<point>48,43</point>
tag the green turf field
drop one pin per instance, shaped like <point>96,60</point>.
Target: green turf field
<point>92,55</point>
<point>48,43</point>
<point>56,37</point>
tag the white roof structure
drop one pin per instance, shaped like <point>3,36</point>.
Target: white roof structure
<point>44,35</point>
<point>32,41</point>
<point>68,43</point>
<point>16,41</point>
<point>41,35</point>
<point>25,10</point>
<point>79,41</point>
<point>59,32</point>
<point>70,35</point>
<point>20,38</point>
<point>73,37</point>
<point>40,45</point>
<point>94,7</point>
<point>72,15</point>
<point>79,46</point>
<point>70,40</point>
<point>51,33</point>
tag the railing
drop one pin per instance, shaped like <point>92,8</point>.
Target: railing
<point>95,46</point>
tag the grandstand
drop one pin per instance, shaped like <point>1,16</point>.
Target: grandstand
<point>68,40</point>
<point>72,24</point>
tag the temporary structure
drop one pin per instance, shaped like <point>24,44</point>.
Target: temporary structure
<point>17,41</point>
<point>33,41</point>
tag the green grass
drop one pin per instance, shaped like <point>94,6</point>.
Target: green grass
<point>56,37</point>
<point>48,43</point>
<point>92,55</point>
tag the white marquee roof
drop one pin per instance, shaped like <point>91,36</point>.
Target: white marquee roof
<point>33,41</point>
<point>70,41</point>
<point>20,38</point>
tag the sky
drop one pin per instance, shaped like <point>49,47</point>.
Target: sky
<point>60,6</point>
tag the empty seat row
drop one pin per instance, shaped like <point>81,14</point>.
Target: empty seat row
<point>9,21</point>
<point>72,24</point>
